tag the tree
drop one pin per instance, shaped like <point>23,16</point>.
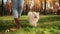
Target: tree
<point>44,7</point>
<point>0,7</point>
<point>2,12</point>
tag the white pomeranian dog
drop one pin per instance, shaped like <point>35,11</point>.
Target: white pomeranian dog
<point>33,18</point>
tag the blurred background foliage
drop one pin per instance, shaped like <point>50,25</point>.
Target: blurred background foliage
<point>41,6</point>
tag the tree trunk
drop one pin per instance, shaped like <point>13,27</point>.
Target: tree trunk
<point>59,3</point>
<point>2,12</point>
<point>44,7</point>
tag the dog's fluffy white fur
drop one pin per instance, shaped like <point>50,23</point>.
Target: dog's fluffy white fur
<point>33,18</point>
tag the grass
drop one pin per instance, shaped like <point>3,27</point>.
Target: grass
<point>47,24</point>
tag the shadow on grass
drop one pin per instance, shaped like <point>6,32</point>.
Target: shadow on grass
<point>49,19</point>
<point>6,24</point>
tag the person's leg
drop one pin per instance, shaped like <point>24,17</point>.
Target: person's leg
<point>19,11</point>
<point>15,12</point>
<point>20,7</point>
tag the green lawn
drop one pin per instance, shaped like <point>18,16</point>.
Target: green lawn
<point>47,24</point>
